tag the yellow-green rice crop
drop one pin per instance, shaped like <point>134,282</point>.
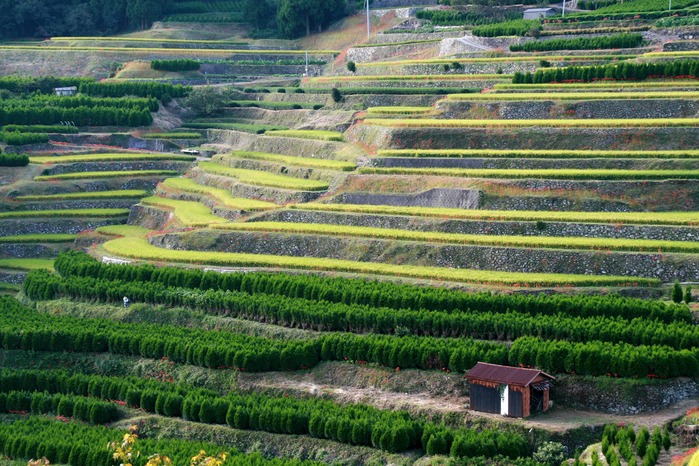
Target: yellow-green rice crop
<point>526,96</point>
<point>26,264</point>
<point>411,77</point>
<point>39,238</point>
<point>131,231</point>
<point>637,218</point>
<point>110,158</point>
<point>109,174</point>
<point>220,195</point>
<point>447,61</point>
<point>299,161</point>
<point>599,85</point>
<point>258,178</point>
<point>307,134</point>
<point>125,194</point>
<point>401,110</point>
<point>141,249</point>
<point>552,174</point>
<point>554,242</point>
<point>166,51</point>
<point>577,123</point>
<point>99,213</point>
<point>189,213</point>
<point>541,153</point>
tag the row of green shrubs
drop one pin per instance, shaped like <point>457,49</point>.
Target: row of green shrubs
<point>15,138</point>
<point>41,129</point>
<point>462,17</point>
<point>175,65</point>
<point>374,293</point>
<point>323,316</point>
<point>14,160</point>
<point>80,116</point>
<point>127,103</point>
<point>612,72</point>
<point>617,41</point>
<point>80,408</point>
<point>134,88</point>
<point>43,85</point>
<point>517,27</point>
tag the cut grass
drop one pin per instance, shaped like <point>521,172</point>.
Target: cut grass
<point>308,134</point>
<point>526,96</point>
<point>189,213</point>
<point>402,110</point>
<point>573,123</point>
<point>39,238</point>
<point>543,174</point>
<point>171,136</point>
<point>299,161</point>
<point>106,174</point>
<point>258,178</point>
<point>130,231</point>
<point>93,213</point>
<point>220,195</point>
<point>613,244</point>
<point>110,158</point>
<point>138,248</point>
<point>541,153</point>
<point>620,218</point>
<point>26,264</point>
<point>123,194</point>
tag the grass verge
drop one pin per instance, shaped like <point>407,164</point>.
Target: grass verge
<point>39,238</point>
<point>26,264</point>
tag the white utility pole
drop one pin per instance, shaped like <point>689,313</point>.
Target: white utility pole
<point>564,8</point>
<point>368,23</point>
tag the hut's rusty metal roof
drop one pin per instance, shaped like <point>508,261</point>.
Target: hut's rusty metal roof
<point>506,374</point>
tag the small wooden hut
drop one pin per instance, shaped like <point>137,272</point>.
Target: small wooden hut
<point>509,391</point>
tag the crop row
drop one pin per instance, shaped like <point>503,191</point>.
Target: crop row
<point>43,84</point>
<point>80,116</point>
<point>16,138</point>
<point>373,293</point>
<point>26,264</point>
<point>527,96</point>
<point>99,213</point>
<point>105,174</point>
<point>167,51</point>
<point>338,317</point>
<point>244,127</point>
<point>116,157</point>
<point>402,110</point>
<point>562,242</point>
<point>220,195</point>
<point>635,218</point>
<point>572,123</point>
<point>14,160</point>
<point>77,444</point>
<point>133,88</point>
<point>39,238</point>
<point>41,129</point>
<point>327,164</point>
<point>517,27</point>
<point>127,103</point>
<point>123,230</point>
<point>398,77</point>
<point>355,424</point>
<point>507,59</point>
<point>618,41</point>
<point>143,250</point>
<point>364,90</point>
<point>308,134</point>
<point>190,213</point>
<point>541,153</point>
<point>601,85</point>
<point>547,174</point>
<point>259,178</point>
<point>82,409</point>
<point>175,65</point>
<point>121,194</point>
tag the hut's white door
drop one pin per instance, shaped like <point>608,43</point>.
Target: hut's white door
<point>505,400</point>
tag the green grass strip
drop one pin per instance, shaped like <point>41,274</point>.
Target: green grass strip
<point>146,39</point>
<point>39,238</point>
<point>543,174</point>
<point>620,218</point>
<point>612,244</point>
<point>131,231</point>
<point>526,96</point>
<point>26,264</point>
<point>258,178</point>
<point>411,77</point>
<point>407,42</point>
<point>507,59</point>
<point>189,213</point>
<point>269,105</point>
<point>98,213</point>
<point>122,194</point>
<point>172,136</point>
<point>167,51</point>
<point>308,134</point>
<point>107,174</point>
<point>298,161</point>
<point>244,127</point>
<point>9,287</point>
<point>220,195</point>
<point>110,158</point>
<point>401,110</point>
<point>138,248</point>
<point>599,85</point>
<point>541,153</point>
<point>573,123</point>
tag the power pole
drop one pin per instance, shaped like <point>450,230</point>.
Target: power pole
<point>564,8</point>
<point>368,23</point>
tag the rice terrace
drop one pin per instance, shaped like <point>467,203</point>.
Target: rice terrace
<point>349,232</point>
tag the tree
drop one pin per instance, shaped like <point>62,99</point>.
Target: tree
<point>258,12</point>
<point>295,17</point>
<point>205,101</point>
<point>688,295</point>
<point>677,294</point>
<point>351,66</point>
<point>336,95</point>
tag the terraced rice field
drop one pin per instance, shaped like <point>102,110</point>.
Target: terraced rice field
<point>587,123</point>
<point>220,195</point>
<point>121,194</point>
<point>120,157</point>
<point>552,174</point>
<point>541,153</point>
<point>189,213</point>
<point>326,164</point>
<point>105,174</point>
<point>258,178</point>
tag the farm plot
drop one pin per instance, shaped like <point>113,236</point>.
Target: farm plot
<point>574,96</point>
<point>96,213</point>
<point>326,164</point>
<point>191,214</point>
<point>308,134</point>
<point>259,178</point>
<point>121,194</point>
<point>118,157</point>
<point>580,123</point>
<point>38,238</point>
<point>549,174</point>
<point>540,153</point>
<point>26,264</point>
<point>220,195</point>
<point>106,174</point>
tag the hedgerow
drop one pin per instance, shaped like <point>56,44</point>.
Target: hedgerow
<point>105,174</point>
<point>80,116</point>
<point>323,316</point>
<point>517,27</point>
<point>621,71</point>
<point>43,84</point>
<point>373,293</point>
<point>175,65</point>
<point>79,101</point>
<point>618,41</point>
<point>41,129</point>
<point>16,138</point>
<point>133,88</point>
<point>13,160</point>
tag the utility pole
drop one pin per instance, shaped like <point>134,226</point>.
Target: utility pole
<point>306,74</point>
<point>564,8</point>
<point>368,23</point>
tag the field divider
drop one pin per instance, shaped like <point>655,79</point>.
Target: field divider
<point>572,123</point>
<point>259,178</point>
<point>106,174</point>
<point>190,213</point>
<point>540,153</point>
<point>542,174</point>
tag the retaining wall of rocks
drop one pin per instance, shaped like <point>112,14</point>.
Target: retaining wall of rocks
<point>452,198</point>
<point>59,169</point>
<point>608,163</point>
<point>28,226</point>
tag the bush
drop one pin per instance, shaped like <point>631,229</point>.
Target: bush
<point>581,43</point>
<point>677,294</point>
<point>175,65</point>
<point>352,67</point>
<point>687,294</point>
<point>550,453</point>
<point>16,138</point>
<point>13,160</point>
<point>336,95</point>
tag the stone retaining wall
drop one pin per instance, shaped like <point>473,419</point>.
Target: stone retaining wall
<point>681,46</point>
<point>482,227</point>
<point>149,217</point>
<point>533,163</point>
<point>59,169</point>
<point>55,225</point>
<point>77,204</point>
<point>277,168</point>
<point>238,140</point>
<point>387,52</point>
<point>15,278</point>
<point>258,70</point>
<point>452,198</point>
<point>25,251</point>
<point>667,267</point>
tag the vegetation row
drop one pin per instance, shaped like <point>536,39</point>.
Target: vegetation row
<point>617,41</point>
<point>259,178</point>
<point>175,65</point>
<point>550,174</point>
<point>14,160</point>
<point>622,71</point>
<point>541,153</point>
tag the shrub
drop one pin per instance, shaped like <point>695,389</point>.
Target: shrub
<point>13,160</point>
<point>336,95</point>
<point>550,453</point>
<point>688,295</point>
<point>16,138</point>
<point>677,294</point>
<point>351,66</point>
<point>175,65</point>
<point>581,43</point>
